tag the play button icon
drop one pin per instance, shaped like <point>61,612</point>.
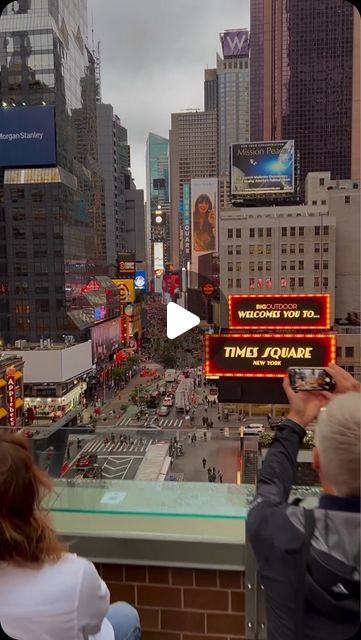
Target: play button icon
<point>179,320</point>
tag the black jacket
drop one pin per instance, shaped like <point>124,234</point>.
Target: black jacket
<point>275,529</point>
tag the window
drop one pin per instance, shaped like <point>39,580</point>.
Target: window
<point>314,202</point>
<point>251,249</point>
<point>230,283</point>
<point>230,250</point>
<point>283,248</point>
<point>316,265</point>
<point>238,266</point>
<point>230,234</point>
<point>42,306</point>
<point>323,201</point>
<point>317,247</point>
<point>283,265</point>
<point>301,248</point>
<point>238,249</point>
<point>325,230</point>
<point>238,233</point>
<point>251,283</point>
<point>338,352</point>
<point>230,267</point>
<point>347,201</point>
<point>325,265</point>
<point>268,265</point>
<point>292,231</point>
<point>238,283</point>
<point>292,283</point>
<point>269,232</point>
<point>316,281</point>
<point>317,231</point>
<point>301,231</point>
<point>260,249</point>
<point>301,265</point>
<point>325,282</point>
<point>268,249</point>
<point>251,266</point>
<point>349,352</point>
<point>284,232</point>
<point>251,233</point>
<point>260,233</point>
<point>322,182</point>
<point>292,248</point>
<point>292,265</point>
<point>301,282</point>
<point>260,266</point>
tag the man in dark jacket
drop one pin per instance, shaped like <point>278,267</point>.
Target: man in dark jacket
<point>277,529</point>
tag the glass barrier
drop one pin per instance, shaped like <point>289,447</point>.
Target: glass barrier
<point>171,499</point>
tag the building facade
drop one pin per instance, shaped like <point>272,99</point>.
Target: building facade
<point>305,81</point>
<point>210,90</point>
<point>193,154</point>
<point>52,227</point>
<point>134,233</point>
<point>158,196</point>
<point>114,161</point>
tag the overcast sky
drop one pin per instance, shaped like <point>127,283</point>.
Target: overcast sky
<point>153,56</point>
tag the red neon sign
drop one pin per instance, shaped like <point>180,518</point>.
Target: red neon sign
<point>280,311</point>
<point>266,355</point>
<point>11,398</point>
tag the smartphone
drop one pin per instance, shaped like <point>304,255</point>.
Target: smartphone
<point>310,379</point>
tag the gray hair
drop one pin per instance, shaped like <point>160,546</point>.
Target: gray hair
<point>337,439</point>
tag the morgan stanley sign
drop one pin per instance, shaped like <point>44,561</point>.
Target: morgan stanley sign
<point>27,136</point>
<point>235,43</point>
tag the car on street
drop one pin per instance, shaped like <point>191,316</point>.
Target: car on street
<point>163,410</point>
<point>84,462</point>
<point>253,429</point>
<point>168,401</point>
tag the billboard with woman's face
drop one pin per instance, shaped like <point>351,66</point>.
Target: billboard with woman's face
<point>204,218</point>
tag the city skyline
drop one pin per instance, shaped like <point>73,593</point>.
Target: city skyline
<point>162,61</point>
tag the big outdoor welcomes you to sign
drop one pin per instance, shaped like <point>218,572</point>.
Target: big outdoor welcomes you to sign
<point>266,355</point>
<point>297,311</point>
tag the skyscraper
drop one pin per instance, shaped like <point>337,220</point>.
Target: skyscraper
<point>210,90</point>
<point>305,81</point>
<point>157,176</point>
<point>193,154</point>
<point>52,231</point>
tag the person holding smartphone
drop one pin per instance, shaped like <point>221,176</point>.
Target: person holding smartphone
<point>309,560</point>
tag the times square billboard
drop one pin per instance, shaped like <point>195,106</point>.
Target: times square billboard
<point>27,136</point>
<point>262,167</point>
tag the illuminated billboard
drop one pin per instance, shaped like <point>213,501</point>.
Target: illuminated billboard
<point>204,199</point>
<point>126,265</point>
<point>235,43</point>
<point>266,354</point>
<point>158,259</point>
<point>126,289</point>
<point>262,167</point>
<point>140,281</point>
<point>279,311</point>
<point>27,136</point>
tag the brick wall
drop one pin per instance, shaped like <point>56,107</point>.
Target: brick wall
<point>181,604</point>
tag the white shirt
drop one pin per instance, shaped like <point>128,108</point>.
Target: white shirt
<point>66,600</point>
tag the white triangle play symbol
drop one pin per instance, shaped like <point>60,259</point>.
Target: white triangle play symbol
<point>179,320</point>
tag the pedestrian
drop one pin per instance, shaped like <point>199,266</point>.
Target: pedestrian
<point>205,435</point>
<point>206,410</point>
<point>209,471</point>
<point>112,438</point>
<point>214,477</point>
<point>214,472</point>
<point>204,462</point>
<point>189,438</point>
<point>204,421</point>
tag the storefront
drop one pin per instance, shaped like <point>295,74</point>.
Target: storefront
<point>51,406</point>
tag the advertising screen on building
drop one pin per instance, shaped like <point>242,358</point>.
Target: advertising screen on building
<point>11,397</point>
<point>126,290</point>
<point>266,355</point>
<point>186,222</point>
<point>140,281</point>
<point>204,200</point>
<point>105,338</point>
<point>126,265</point>
<point>283,311</point>
<point>27,136</point>
<point>235,43</point>
<point>262,167</point>
<point>158,253</point>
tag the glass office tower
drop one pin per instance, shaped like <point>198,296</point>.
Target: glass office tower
<point>157,176</point>
<point>52,228</point>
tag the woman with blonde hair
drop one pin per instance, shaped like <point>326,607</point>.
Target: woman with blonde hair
<point>47,593</point>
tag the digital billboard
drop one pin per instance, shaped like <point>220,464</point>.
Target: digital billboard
<point>235,43</point>
<point>105,338</point>
<point>126,289</point>
<point>204,199</point>
<point>158,254</point>
<point>27,136</point>
<point>186,221</point>
<point>266,354</point>
<point>262,167</point>
<point>279,311</point>
<point>140,281</point>
<point>126,265</point>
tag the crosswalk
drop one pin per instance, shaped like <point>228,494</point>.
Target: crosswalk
<point>136,446</point>
<point>170,423</point>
